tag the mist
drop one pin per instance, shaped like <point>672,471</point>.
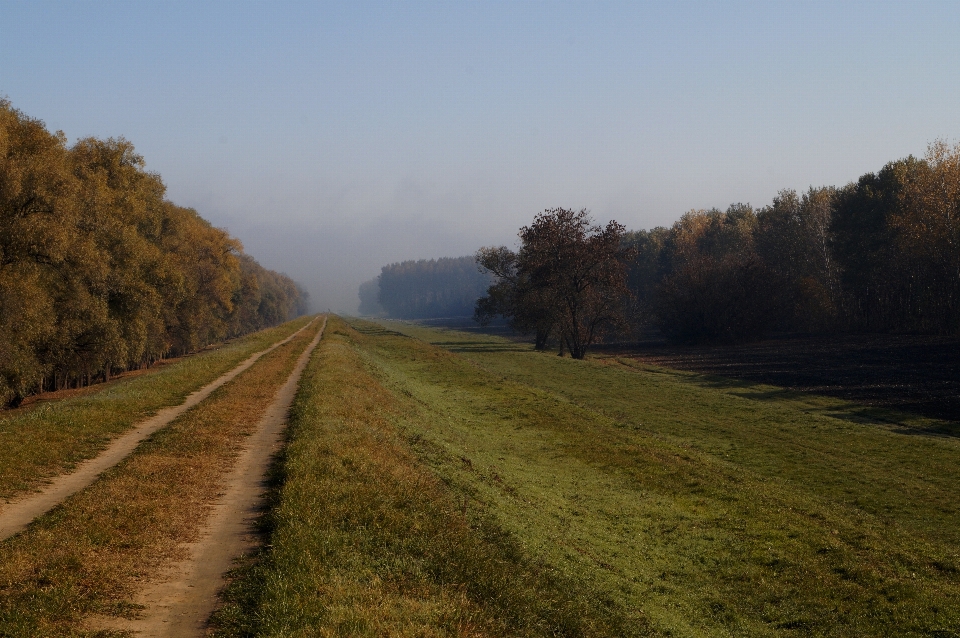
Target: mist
<point>333,139</point>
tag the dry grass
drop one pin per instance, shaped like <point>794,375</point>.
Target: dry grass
<point>48,438</point>
<point>366,541</point>
<point>88,555</point>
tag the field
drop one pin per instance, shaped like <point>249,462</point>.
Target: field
<point>444,483</point>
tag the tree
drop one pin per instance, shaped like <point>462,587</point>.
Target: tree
<point>98,272</point>
<point>717,288</point>
<point>577,270</point>
<point>927,237</point>
<point>514,297</point>
<point>792,238</point>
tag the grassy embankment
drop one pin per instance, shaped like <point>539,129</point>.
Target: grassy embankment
<point>498,491</point>
<point>367,541</point>
<point>90,554</point>
<point>49,437</point>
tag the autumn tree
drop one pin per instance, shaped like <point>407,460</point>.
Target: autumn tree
<point>529,309</point>
<point>37,211</point>
<point>578,271</point>
<point>792,238</point>
<point>926,226</point>
<point>99,273</point>
<point>717,289</point>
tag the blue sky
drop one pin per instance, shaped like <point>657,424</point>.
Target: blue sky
<point>333,138</point>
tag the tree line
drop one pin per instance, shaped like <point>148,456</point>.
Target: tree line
<point>425,288</point>
<point>99,273</point>
<point>878,255</point>
<point>881,254</point>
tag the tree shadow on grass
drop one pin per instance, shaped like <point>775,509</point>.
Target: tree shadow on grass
<point>481,346</point>
<point>894,420</point>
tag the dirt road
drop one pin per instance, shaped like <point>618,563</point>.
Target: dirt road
<point>18,513</point>
<point>181,601</point>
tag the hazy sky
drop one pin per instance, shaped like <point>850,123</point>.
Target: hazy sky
<point>333,138</point>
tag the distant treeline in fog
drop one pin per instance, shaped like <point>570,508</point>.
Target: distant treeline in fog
<point>878,255</point>
<point>99,273</point>
<point>447,287</point>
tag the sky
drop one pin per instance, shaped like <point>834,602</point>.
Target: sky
<point>335,138</point>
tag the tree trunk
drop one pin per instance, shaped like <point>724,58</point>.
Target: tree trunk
<point>541,339</point>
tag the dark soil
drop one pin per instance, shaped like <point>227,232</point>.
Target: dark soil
<point>918,374</point>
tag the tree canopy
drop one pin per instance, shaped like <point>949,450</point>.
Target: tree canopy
<point>569,276</point>
<point>426,288</point>
<point>100,273</point>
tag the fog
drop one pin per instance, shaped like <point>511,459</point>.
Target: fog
<point>335,138</point>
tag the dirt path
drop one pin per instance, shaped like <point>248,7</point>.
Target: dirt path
<point>180,603</point>
<point>19,512</point>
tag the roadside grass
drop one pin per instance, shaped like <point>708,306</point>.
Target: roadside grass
<point>705,506</point>
<point>87,556</point>
<point>364,540</point>
<point>48,438</point>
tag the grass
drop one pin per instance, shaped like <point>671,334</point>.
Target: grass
<point>88,555</point>
<point>366,541</point>
<point>483,488</point>
<point>48,438</point>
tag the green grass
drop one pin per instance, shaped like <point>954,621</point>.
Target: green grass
<point>90,555</point>
<point>648,501</point>
<point>366,541</point>
<point>50,437</point>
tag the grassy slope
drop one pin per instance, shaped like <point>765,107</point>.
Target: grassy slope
<point>48,438</point>
<point>664,502</point>
<point>90,554</point>
<point>741,508</point>
<point>366,541</point>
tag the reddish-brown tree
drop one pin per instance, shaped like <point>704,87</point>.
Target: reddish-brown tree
<point>577,270</point>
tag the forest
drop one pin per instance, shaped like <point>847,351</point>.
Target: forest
<point>99,273</point>
<point>878,255</point>
<point>425,288</point>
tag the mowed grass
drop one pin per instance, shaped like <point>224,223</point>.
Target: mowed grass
<point>716,507</point>
<point>365,540</point>
<point>485,489</point>
<point>50,437</point>
<point>89,556</point>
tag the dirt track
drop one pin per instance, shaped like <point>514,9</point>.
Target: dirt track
<point>180,602</point>
<point>19,512</point>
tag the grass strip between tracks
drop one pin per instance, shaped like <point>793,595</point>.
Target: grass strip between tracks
<point>485,489</point>
<point>49,438</point>
<point>90,554</point>
<point>365,540</point>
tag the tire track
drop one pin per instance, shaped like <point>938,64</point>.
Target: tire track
<point>21,511</point>
<point>181,604</point>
